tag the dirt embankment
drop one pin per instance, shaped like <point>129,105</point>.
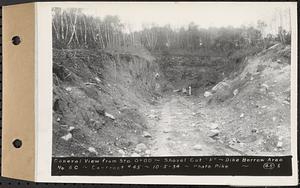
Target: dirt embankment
<point>108,103</point>
<point>99,100</point>
<point>247,113</point>
<point>252,105</point>
<point>197,70</point>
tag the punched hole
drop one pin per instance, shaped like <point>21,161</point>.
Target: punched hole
<point>17,143</point>
<point>16,40</point>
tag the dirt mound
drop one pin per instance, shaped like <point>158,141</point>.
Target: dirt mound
<point>98,101</point>
<point>255,103</point>
<point>199,70</point>
<point>181,71</point>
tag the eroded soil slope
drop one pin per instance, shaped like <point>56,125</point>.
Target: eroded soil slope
<point>252,106</point>
<point>247,113</point>
<point>126,103</point>
<point>99,98</point>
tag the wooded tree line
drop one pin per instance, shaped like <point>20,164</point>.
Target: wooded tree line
<point>74,29</point>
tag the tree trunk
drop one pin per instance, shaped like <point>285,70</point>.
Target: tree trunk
<point>74,30</point>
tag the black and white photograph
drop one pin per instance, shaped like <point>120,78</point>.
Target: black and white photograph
<point>171,79</point>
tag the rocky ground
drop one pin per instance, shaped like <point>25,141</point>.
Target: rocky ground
<point>185,128</point>
<point>140,111</point>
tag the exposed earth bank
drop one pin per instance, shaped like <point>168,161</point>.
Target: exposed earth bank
<point>128,103</point>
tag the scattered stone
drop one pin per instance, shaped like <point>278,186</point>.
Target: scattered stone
<point>214,133</point>
<point>148,152</point>
<point>58,119</point>
<point>109,115</point>
<point>220,85</point>
<point>263,90</point>
<point>279,144</point>
<point>97,79</point>
<point>176,90</point>
<point>67,137</point>
<point>172,142</point>
<point>274,118</point>
<point>235,92</point>
<point>68,89</point>
<point>252,78</point>
<point>197,147</point>
<point>286,102</point>
<point>212,139</point>
<point>263,107</point>
<point>146,134</point>
<point>153,116</point>
<point>213,126</point>
<point>157,75</point>
<point>122,152</point>
<point>272,94</point>
<point>207,94</point>
<point>280,138</point>
<point>92,150</point>
<point>71,128</point>
<point>184,90</point>
<point>140,147</point>
<point>135,155</point>
<point>265,86</point>
<point>234,140</point>
<point>242,115</point>
<point>166,131</point>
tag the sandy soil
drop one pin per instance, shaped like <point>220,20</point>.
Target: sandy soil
<point>182,129</point>
<point>114,105</point>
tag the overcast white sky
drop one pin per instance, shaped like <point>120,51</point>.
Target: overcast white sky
<point>180,14</point>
